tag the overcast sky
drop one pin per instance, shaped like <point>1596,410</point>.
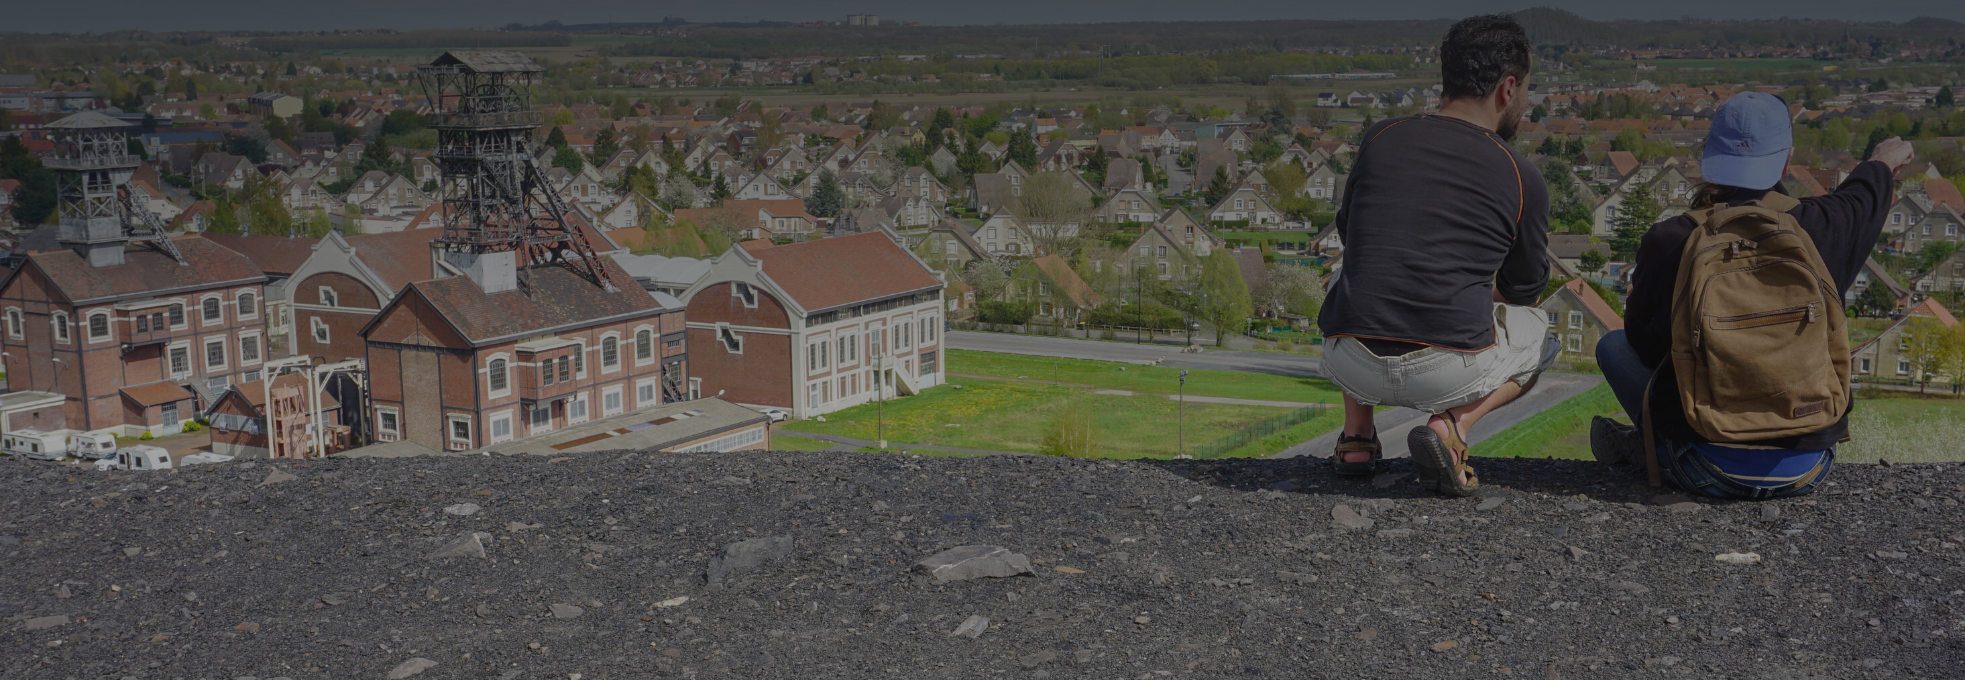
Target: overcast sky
<point>101,15</point>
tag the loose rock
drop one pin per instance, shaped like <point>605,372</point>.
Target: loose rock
<point>744,556</point>
<point>411,667</point>
<point>468,545</point>
<point>1343,517</point>
<point>972,627</point>
<point>567,611</point>
<point>1737,558</point>
<point>974,561</point>
<point>275,476</point>
<point>462,509</point>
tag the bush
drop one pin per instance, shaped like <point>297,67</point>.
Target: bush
<point>1285,345</point>
<point>1072,433</point>
<point>191,426</point>
<point>144,437</point>
<point>1133,316</point>
<point>1008,313</point>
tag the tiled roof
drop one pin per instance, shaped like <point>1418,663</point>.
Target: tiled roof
<point>1943,191</point>
<point>146,271</point>
<point>843,270</point>
<point>1060,274</point>
<point>560,299</point>
<point>272,254</point>
<point>1610,319</point>
<point>399,257</point>
<point>156,393</point>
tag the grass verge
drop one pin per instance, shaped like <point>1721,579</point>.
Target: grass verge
<point>1145,379</point>
<point>1559,432</point>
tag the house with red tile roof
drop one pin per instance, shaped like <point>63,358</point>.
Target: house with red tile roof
<point>1882,358</point>
<point>816,326</point>
<point>1579,317</point>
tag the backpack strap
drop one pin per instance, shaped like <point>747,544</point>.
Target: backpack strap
<point>1650,437</point>
<point>1779,202</point>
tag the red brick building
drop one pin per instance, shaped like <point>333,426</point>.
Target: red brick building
<point>817,326</point>
<point>453,367</point>
<point>346,280</point>
<point>138,344</point>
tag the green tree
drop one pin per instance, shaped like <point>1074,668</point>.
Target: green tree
<point>318,224</point>
<point>190,90</point>
<point>291,70</point>
<point>377,157</point>
<point>1926,342</point>
<point>1874,301</point>
<point>1593,261</point>
<point>1218,188</point>
<point>402,122</point>
<point>1634,218</point>
<point>264,213</point>
<point>277,128</point>
<point>556,138</point>
<point>1538,113</point>
<point>1023,148</point>
<point>827,198</point>
<point>720,190</point>
<point>971,161</point>
<point>605,146</point>
<point>35,201</point>
<point>1934,252</point>
<point>1224,299</point>
<point>224,219</point>
<point>727,105</point>
<point>567,158</point>
<point>246,145</point>
<point>820,113</point>
<point>1944,97</point>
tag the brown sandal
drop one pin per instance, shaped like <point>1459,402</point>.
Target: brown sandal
<point>1349,444</point>
<point>1440,463</point>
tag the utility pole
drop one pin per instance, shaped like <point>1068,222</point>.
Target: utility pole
<point>1181,419</point>
<point>880,397</point>
<point>1139,305</point>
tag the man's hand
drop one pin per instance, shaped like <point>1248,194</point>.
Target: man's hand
<point>1893,152</point>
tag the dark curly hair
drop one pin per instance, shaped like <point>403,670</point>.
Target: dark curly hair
<point>1480,51</point>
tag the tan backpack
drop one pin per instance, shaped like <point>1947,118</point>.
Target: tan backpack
<point>1759,343</point>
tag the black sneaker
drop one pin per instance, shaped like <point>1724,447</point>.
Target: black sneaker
<point>1615,443</point>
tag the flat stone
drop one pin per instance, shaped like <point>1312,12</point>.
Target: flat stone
<point>1038,659</point>
<point>468,545</point>
<point>974,561</point>
<point>567,611</point>
<point>462,509</point>
<point>132,552</point>
<point>1670,498</point>
<point>1577,507</point>
<point>972,627</point>
<point>521,526</point>
<point>1577,554</point>
<point>1441,646</point>
<point>1687,506</point>
<point>744,556</point>
<point>62,593</point>
<point>1769,513</point>
<point>41,622</point>
<point>1737,558</point>
<point>247,627</point>
<point>410,667</point>
<point>1343,517</point>
<point>275,476</point>
<point>1490,503</point>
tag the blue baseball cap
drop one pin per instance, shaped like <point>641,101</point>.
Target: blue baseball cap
<point>1749,142</point>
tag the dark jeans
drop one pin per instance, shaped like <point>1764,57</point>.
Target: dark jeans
<point>1680,463</point>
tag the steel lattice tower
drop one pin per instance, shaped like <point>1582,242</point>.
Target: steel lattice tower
<point>93,167</point>
<point>497,205</point>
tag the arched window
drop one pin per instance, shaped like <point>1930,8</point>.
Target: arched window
<point>212,311</point>
<point>60,320</point>
<point>498,376</point>
<point>248,305</point>
<point>98,326</point>
<point>610,352</point>
<point>644,345</point>
<point>177,315</point>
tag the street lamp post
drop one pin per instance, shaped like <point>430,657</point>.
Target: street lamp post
<point>880,398</point>
<point>1181,419</point>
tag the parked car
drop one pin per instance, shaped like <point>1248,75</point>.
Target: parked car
<point>777,415</point>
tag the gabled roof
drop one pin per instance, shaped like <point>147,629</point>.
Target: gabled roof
<point>272,254</point>
<point>1594,303</point>
<point>147,271</point>
<point>399,258</point>
<point>560,299</point>
<point>156,393</point>
<point>844,270</point>
<point>1067,281</point>
<point>1944,192</point>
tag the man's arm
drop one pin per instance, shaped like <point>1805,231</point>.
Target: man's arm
<point>1525,272</point>
<point>1852,215</point>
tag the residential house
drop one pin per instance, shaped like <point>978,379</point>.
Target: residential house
<point>949,247</point>
<point>454,366</point>
<point>1003,234</point>
<point>1123,174</point>
<point>1885,357</point>
<point>1579,317</point>
<point>1948,275</point>
<point>1324,182</point>
<point>1128,205</point>
<point>1053,290</point>
<point>1245,204</point>
<point>1873,273</point>
<point>817,326</point>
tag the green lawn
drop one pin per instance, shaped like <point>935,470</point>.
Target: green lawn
<point>1291,236</point>
<point>781,442</point>
<point>1005,415</point>
<point>1145,379</point>
<point>1560,432</point>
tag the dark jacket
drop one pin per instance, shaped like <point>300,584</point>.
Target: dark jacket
<point>1437,215</point>
<point>1844,225</point>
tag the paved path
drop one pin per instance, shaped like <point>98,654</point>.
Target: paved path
<point>856,444</point>
<point>1394,423</point>
<point>1168,355</point>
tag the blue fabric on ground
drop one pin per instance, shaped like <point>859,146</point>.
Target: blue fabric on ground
<point>1761,467</point>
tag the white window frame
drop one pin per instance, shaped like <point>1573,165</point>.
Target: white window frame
<point>724,336</point>
<point>495,420</point>
<point>205,319</point>
<point>620,401</point>
<point>738,290</point>
<point>586,405</point>
<point>450,431</point>
<point>1864,365</point>
<point>190,365</point>
<point>177,308</point>
<point>259,349</point>
<point>605,366</point>
<point>319,331</point>
<point>1573,342</point>
<point>247,303</point>
<point>63,333</point>
<point>654,345</point>
<point>388,434</point>
<point>225,356</point>
<point>1575,319</point>
<point>1903,367</point>
<point>488,389</point>
<point>650,386</point>
<point>108,326</point>
<point>17,323</point>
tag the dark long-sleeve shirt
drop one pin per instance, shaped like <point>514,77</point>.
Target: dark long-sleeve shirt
<point>1438,215</point>
<point>1844,226</point>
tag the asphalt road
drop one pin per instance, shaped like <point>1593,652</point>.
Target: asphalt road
<point>1103,350</point>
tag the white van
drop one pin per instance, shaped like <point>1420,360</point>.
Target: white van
<point>36,444</point>
<point>140,457</point>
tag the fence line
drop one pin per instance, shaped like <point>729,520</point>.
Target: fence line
<point>1240,438</point>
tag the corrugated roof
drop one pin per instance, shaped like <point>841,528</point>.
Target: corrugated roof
<point>146,271</point>
<point>844,270</point>
<point>559,299</point>
<point>272,254</point>
<point>489,61</point>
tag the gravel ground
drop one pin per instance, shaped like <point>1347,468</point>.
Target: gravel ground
<point>1142,570</point>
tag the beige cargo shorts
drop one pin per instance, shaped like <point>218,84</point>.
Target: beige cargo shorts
<point>1434,380</point>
